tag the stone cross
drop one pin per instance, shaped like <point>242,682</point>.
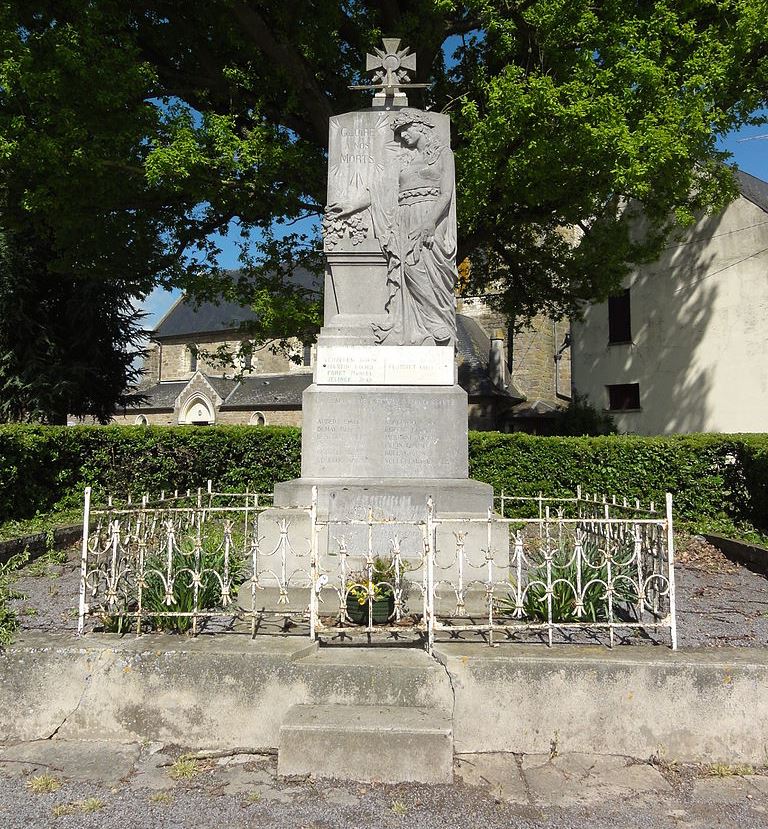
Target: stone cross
<point>391,67</point>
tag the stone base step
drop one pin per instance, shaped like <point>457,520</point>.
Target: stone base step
<point>369,743</point>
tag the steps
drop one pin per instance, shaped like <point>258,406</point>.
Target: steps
<point>382,743</point>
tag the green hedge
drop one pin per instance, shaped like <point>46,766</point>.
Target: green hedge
<point>719,482</point>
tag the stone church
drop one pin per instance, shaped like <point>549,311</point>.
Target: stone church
<point>513,382</point>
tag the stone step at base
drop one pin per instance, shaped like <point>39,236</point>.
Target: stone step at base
<point>367,743</point>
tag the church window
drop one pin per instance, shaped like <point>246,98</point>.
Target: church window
<point>307,355</point>
<point>258,419</point>
<point>246,355</point>
<point>192,353</point>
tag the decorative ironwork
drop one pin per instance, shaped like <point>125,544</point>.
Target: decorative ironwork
<point>589,564</point>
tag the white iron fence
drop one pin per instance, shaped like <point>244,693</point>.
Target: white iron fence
<point>561,569</point>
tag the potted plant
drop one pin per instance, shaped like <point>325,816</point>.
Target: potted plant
<point>374,587</point>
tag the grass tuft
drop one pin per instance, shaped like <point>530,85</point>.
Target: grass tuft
<point>727,770</point>
<point>43,784</point>
<point>399,808</point>
<point>185,768</point>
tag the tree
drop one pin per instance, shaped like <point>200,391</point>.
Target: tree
<point>133,131</point>
<point>67,346</point>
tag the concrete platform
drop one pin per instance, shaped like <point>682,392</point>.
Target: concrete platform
<point>383,743</point>
<point>226,691</point>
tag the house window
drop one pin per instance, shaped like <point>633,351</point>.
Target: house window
<point>307,356</point>
<point>192,352</point>
<point>619,318</point>
<point>623,397</point>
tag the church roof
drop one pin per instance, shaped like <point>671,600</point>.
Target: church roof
<point>753,189</point>
<point>268,390</point>
<point>159,396</point>
<point>189,319</point>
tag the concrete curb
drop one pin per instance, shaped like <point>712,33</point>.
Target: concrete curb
<point>37,544</point>
<point>230,691</point>
<point>754,557</point>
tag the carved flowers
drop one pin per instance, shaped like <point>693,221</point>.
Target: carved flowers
<point>336,228</point>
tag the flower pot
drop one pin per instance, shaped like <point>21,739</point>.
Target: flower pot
<point>382,610</point>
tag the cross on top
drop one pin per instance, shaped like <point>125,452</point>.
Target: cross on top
<point>392,67</point>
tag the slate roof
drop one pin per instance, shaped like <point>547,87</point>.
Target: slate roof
<point>159,396</point>
<point>186,319</point>
<point>268,390</point>
<point>754,189</point>
<point>473,349</point>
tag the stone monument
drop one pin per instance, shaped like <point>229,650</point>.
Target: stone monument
<point>385,421</point>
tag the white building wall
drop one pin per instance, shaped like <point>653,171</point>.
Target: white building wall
<point>699,329</point>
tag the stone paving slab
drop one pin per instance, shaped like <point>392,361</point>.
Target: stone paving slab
<point>139,785</point>
<point>93,761</point>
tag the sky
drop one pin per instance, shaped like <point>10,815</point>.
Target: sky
<point>749,148</point>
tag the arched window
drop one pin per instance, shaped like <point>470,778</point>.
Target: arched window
<point>141,421</point>
<point>192,353</point>
<point>258,419</point>
<point>307,354</point>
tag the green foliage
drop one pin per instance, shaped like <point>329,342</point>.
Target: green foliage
<point>380,581</point>
<point>719,482</point>
<point>131,133</point>
<point>565,573</point>
<point>9,622</point>
<point>66,344</point>
<point>582,418</point>
<point>210,566</point>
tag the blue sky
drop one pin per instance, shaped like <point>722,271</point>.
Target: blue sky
<point>749,147</point>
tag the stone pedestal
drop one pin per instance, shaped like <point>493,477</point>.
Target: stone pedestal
<point>385,423</point>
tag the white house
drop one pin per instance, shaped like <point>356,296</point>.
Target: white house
<point>685,347</point>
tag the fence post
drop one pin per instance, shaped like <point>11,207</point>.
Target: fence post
<point>671,573</point>
<point>313,566</point>
<point>84,559</point>
<point>431,538</point>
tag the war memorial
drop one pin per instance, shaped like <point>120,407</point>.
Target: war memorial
<point>472,655</point>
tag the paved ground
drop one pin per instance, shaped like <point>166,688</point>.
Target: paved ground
<point>58,783</point>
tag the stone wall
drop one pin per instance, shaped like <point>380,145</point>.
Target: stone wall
<point>273,417</point>
<point>533,360</point>
<point>175,358</point>
<point>530,359</point>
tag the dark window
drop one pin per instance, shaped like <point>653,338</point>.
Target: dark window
<point>192,349</point>
<point>307,355</point>
<point>624,396</point>
<point>619,318</point>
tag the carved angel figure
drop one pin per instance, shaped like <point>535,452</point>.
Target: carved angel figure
<point>415,224</point>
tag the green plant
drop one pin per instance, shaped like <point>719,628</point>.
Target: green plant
<point>43,784</point>
<point>554,575</point>
<point>378,582</point>
<point>9,621</point>
<point>185,562</point>
<point>185,768</point>
<point>399,808</point>
<point>727,770</point>
<point>161,797</point>
<point>90,804</point>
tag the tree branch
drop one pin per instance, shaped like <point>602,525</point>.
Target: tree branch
<point>288,58</point>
